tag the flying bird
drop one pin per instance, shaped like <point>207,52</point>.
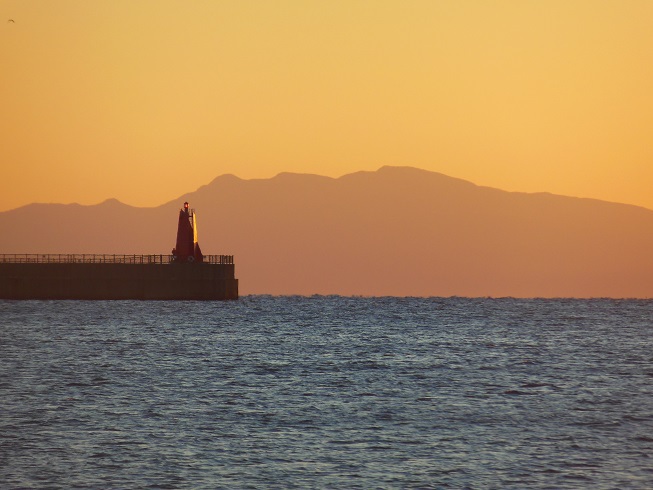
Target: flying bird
<point>12,21</point>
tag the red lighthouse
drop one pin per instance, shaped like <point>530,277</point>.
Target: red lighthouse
<point>187,248</point>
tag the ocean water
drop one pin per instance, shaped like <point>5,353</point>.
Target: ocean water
<point>327,392</point>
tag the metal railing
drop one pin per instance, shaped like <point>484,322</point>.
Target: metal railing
<point>104,259</point>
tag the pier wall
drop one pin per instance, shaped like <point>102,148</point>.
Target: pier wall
<point>112,281</point>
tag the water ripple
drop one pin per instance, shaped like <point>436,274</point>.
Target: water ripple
<point>326,392</point>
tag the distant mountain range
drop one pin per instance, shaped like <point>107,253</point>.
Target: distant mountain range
<point>398,231</point>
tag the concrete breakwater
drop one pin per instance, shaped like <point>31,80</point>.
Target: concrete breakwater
<point>125,277</point>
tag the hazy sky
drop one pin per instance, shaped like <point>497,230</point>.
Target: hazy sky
<point>145,100</point>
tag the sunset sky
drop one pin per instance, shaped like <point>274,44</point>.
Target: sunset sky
<point>146,100</point>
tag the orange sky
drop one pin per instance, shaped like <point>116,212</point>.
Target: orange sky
<point>145,100</point>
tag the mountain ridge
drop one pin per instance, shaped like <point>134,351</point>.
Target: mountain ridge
<point>234,178</point>
<point>398,231</point>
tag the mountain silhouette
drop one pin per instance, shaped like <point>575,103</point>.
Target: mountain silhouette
<point>398,231</point>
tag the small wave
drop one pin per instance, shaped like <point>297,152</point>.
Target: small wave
<point>643,438</point>
<point>77,384</point>
<point>538,385</point>
<point>517,393</point>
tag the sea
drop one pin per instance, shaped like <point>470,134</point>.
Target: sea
<point>327,392</point>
